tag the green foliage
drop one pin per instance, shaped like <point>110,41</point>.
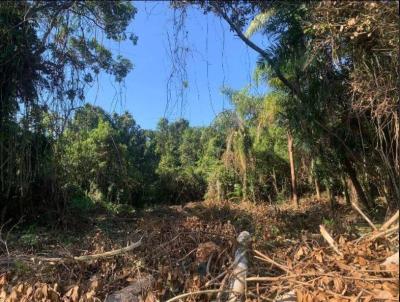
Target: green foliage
<point>51,51</point>
<point>253,162</point>
<point>109,160</point>
<point>81,204</point>
<point>342,112</point>
<point>30,236</point>
<point>326,53</point>
<point>177,146</point>
<point>103,154</point>
<point>21,268</point>
<point>328,222</point>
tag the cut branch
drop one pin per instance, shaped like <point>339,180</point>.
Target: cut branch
<point>330,240</point>
<point>95,256</point>
<point>388,223</point>
<point>364,216</point>
<point>267,259</point>
<point>384,233</point>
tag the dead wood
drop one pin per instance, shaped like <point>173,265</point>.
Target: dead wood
<point>133,292</point>
<point>238,284</point>
<point>394,259</point>
<point>269,260</point>
<point>207,291</point>
<point>94,256</point>
<point>330,240</point>
<point>364,216</point>
<point>308,267</point>
<point>384,233</point>
<point>390,221</point>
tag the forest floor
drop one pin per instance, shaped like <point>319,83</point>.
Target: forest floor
<point>190,248</point>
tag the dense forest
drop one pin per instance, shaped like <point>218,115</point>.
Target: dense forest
<point>327,127</point>
<point>330,122</point>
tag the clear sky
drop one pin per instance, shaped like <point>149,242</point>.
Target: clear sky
<point>215,57</point>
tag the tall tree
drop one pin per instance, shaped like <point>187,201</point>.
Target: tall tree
<point>51,50</point>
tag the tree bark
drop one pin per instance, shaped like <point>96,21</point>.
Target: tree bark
<point>346,191</point>
<point>317,189</point>
<point>316,182</point>
<point>331,198</point>
<point>292,169</point>
<point>349,169</point>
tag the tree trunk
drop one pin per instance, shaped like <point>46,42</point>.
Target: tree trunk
<point>357,186</point>
<point>292,169</point>
<point>352,190</point>
<point>331,198</point>
<point>316,182</point>
<point>346,191</point>
<point>317,189</point>
<point>274,182</point>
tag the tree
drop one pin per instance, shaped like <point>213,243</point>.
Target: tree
<point>50,52</point>
<point>103,156</point>
<point>308,74</point>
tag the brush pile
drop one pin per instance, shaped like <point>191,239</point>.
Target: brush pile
<point>365,269</point>
<point>190,250</point>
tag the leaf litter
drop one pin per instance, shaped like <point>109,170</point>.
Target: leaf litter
<point>190,248</point>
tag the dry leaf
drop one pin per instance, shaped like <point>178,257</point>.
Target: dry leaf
<point>382,294</point>
<point>362,261</point>
<point>338,283</point>
<point>351,22</point>
<point>299,296</point>
<point>299,253</point>
<point>3,279</point>
<point>150,297</point>
<point>75,294</point>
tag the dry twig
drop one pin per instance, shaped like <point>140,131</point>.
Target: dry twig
<point>330,240</point>
<point>94,256</point>
<point>388,223</point>
<point>364,216</point>
<point>267,259</point>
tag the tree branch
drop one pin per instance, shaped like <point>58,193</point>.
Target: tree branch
<point>293,88</point>
<point>95,256</point>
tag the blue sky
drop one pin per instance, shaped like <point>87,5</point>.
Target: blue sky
<point>208,41</point>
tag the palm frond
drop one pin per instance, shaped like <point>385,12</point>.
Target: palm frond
<point>258,23</point>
